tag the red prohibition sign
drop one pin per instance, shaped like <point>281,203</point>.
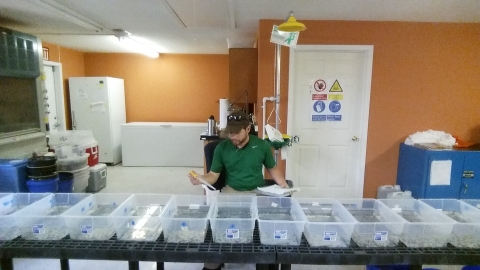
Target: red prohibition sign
<point>319,85</point>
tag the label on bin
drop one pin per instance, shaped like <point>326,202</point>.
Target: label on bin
<point>183,226</point>
<point>233,233</point>
<point>86,229</point>
<point>280,234</point>
<point>330,236</point>
<point>381,236</point>
<point>194,206</point>
<point>38,229</point>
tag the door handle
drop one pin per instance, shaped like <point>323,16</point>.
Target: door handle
<point>355,139</point>
<point>465,188</point>
<point>73,120</point>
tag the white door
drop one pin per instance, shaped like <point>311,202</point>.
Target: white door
<point>55,105</point>
<point>329,97</point>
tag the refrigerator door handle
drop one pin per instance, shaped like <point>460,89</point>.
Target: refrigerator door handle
<point>73,120</point>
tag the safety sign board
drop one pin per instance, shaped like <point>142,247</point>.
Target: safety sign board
<point>288,39</point>
<point>336,87</point>
<point>319,96</point>
<point>335,97</point>
<point>319,85</point>
<point>334,106</point>
<point>319,106</point>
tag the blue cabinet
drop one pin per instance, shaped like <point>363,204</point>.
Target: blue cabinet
<point>425,172</point>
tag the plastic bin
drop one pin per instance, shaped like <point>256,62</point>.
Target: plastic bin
<point>9,205</point>
<point>72,163</point>
<point>80,179</point>
<point>329,222</point>
<point>91,218</point>
<point>138,218</point>
<point>43,221</point>
<point>13,174</point>
<point>280,219</point>
<point>473,202</point>
<point>466,232</point>
<point>378,225</point>
<point>185,219</point>
<point>97,178</point>
<point>426,227</point>
<point>65,183</point>
<point>72,137</point>
<point>233,218</point>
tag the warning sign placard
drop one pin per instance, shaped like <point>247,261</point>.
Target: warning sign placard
<point>336,87</point>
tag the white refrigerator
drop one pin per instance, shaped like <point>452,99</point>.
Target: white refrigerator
<point>98,104</point>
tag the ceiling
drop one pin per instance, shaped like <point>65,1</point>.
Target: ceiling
<point>205,26</point>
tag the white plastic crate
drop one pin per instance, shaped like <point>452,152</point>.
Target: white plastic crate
<point>233,218</point>
<point>185,219</point>
<point>91,218</point>
<point>329,223</point>
<point>466,232</point>
<point>43,221</point>
<point>378,225</point>
<point>138,218</point>
<point>280,220</point>
<point>425,227</point>
<point>9,205</point>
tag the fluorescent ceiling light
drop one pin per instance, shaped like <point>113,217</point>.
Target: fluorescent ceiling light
<point>69,14</point>
<point>126,39</point>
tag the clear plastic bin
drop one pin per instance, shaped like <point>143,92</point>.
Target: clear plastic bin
<point>466,232</point>
<point>329,222</point>
<point>233,218</point>
<point>138,218</point>
<point>72,137</point>
<point>281,220</point>
<point>474,202</point>
<point>426,227</point>
<point>9,205</point>
<point>91,218</point>
<point>72,163</point>
<point>185,219</point>
<point>43,221</point>
<point>378,225</point>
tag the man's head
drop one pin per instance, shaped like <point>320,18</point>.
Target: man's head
<point>238,127</point>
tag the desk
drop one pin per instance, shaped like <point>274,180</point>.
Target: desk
<point>266,257</point>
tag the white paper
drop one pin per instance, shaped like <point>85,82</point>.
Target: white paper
<point>440,172</point>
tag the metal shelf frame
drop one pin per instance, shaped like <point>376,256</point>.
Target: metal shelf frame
<point>266,257</point>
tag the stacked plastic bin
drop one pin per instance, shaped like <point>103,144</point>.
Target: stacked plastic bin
<point>77,152</point>
<point>42,174</point>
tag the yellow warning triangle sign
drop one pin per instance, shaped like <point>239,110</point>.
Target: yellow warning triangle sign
<point>336,87</point>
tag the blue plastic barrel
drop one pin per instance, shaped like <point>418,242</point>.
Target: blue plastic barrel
<point>471,267</point>
<point>389,267</point>
<point>45,185</point>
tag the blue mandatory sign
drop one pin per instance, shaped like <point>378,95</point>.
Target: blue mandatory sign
<point>334,106</point>
<point>319,106</point>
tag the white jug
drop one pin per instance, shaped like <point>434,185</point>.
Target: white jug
<point>383,191</point>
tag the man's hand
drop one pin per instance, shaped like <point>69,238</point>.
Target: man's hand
<point>193,178</point>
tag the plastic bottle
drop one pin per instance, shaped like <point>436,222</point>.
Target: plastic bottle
<point>400,195</point>
<point>383,191</point>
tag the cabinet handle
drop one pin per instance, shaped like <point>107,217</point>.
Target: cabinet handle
<point>465,190</point>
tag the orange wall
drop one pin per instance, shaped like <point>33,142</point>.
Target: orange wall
<point>425,76</point>
<point>73,65</point>
<point>171,88</point>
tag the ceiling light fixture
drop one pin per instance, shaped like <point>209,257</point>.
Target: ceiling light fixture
<point>291,25</point>
<point>126,38</point>
<point>69,14</point>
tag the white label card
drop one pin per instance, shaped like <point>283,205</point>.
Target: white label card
<point>233,233</point>
<point>280,234</point>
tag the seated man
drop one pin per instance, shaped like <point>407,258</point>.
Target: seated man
<point>242,157</point>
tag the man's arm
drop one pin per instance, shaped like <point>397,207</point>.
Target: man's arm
<point>277,176</point>
<point>210,177</point>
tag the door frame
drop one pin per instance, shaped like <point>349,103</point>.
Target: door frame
<point>365,99</point>
<point>59,94</point>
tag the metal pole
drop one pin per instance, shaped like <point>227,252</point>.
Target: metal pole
<point>278,52</point>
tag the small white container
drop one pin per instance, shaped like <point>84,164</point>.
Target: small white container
<point>466,232</point>
<point>329,222</point>
<point>400,195</point>
<point>280,220</point>
<point>10,204</point>
<point>185,219</point>
<point>378,225</point>
<point>383,191</point>
<point>233,218</point>
<point>138,218</point>
<point>91,218</point>
<point>425,227</point>
<point>43,221</point>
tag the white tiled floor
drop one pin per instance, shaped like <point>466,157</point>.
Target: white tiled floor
<point>167,180</point>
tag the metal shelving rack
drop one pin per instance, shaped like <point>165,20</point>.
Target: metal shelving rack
<point>266,257</point>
